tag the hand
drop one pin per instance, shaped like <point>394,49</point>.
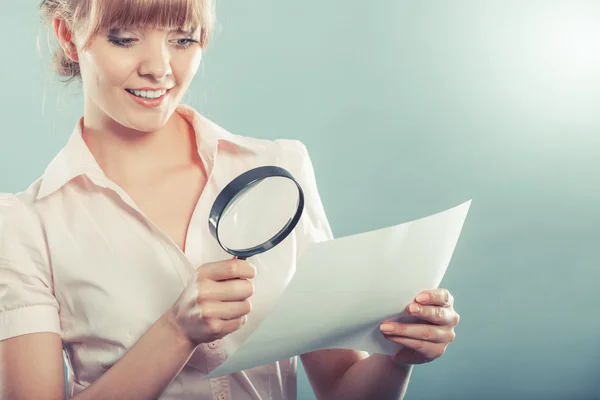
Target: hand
<point>216,302</point>
<point>426,341</point>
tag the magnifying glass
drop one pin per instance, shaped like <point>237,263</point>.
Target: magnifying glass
<point>256,211</point>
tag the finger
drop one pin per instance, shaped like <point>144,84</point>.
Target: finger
<point>228,269</point>
<point>235,289</point>
<point>428,350</point>
<point>230,290</point>
<point>226,310</point>
<point>434,314</point>
<point>217,329</point>
<point>234,324</point>
<point>424,332</point>
<point>435,297</point>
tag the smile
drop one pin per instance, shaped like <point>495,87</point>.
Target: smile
<point>149,97</point>
<point>147,94</point>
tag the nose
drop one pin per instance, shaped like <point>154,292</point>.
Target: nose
<point>156,62</point>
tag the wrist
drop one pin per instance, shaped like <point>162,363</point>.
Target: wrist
<point>169,320</point>
<point>398,364</point>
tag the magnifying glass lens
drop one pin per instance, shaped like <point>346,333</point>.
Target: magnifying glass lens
<point>258,213</point>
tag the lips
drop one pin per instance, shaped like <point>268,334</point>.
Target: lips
<point>148,97</point>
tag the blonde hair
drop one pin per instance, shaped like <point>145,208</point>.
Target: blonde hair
<point>92,16</point>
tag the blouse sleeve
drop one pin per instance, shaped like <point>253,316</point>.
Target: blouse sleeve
<point>313,226</point>
<point>27,302</point>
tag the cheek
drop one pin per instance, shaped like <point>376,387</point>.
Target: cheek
<point>185,66</point>
<point>108,70</point>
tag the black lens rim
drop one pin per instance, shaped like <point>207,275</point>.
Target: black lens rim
<point>241,183</point>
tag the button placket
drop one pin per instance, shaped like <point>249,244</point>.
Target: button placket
<point>215,357</point>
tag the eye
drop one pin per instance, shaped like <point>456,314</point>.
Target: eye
<point>121,42</point>
<point>184,43</point>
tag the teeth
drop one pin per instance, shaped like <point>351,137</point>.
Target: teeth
<point>147,94</point>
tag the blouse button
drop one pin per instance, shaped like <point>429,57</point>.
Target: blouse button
<point>214,345</point>
<point>221,396</point>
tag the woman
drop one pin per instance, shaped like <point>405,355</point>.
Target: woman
<point>107,255</point>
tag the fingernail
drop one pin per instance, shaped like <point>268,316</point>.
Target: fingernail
<point>422,298</point>
<point>413,308</point>
<point>386,328</point>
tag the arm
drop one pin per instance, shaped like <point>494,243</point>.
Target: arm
<point>213,305</point>
<point>31,366</point>
<point>348,374</point>
<point>147,368</point>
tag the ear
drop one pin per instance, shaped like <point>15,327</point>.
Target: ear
<point>65,36</point>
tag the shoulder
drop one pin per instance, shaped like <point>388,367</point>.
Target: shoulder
<point>19,217</point>
<point>14,208</point>
<point>20,202</point>
<point>294,149</point>
<point>290,154</point>
<point>287,153</point>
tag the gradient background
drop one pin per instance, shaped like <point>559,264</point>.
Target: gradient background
<point>409,108</point>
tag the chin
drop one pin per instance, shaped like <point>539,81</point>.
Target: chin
<point>143,122</point>
<point>146,126</point>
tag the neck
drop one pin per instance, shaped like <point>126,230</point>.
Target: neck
<point>133,157</point>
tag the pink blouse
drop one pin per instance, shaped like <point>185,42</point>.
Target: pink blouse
<point>78,257</point>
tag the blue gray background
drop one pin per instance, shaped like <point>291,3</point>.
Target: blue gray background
<point>409,108</point>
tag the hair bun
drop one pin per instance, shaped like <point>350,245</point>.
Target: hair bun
<point>64,66</point>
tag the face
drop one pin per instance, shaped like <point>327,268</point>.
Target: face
<point>137,77</point>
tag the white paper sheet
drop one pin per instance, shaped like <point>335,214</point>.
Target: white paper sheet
<point>344,288</point>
